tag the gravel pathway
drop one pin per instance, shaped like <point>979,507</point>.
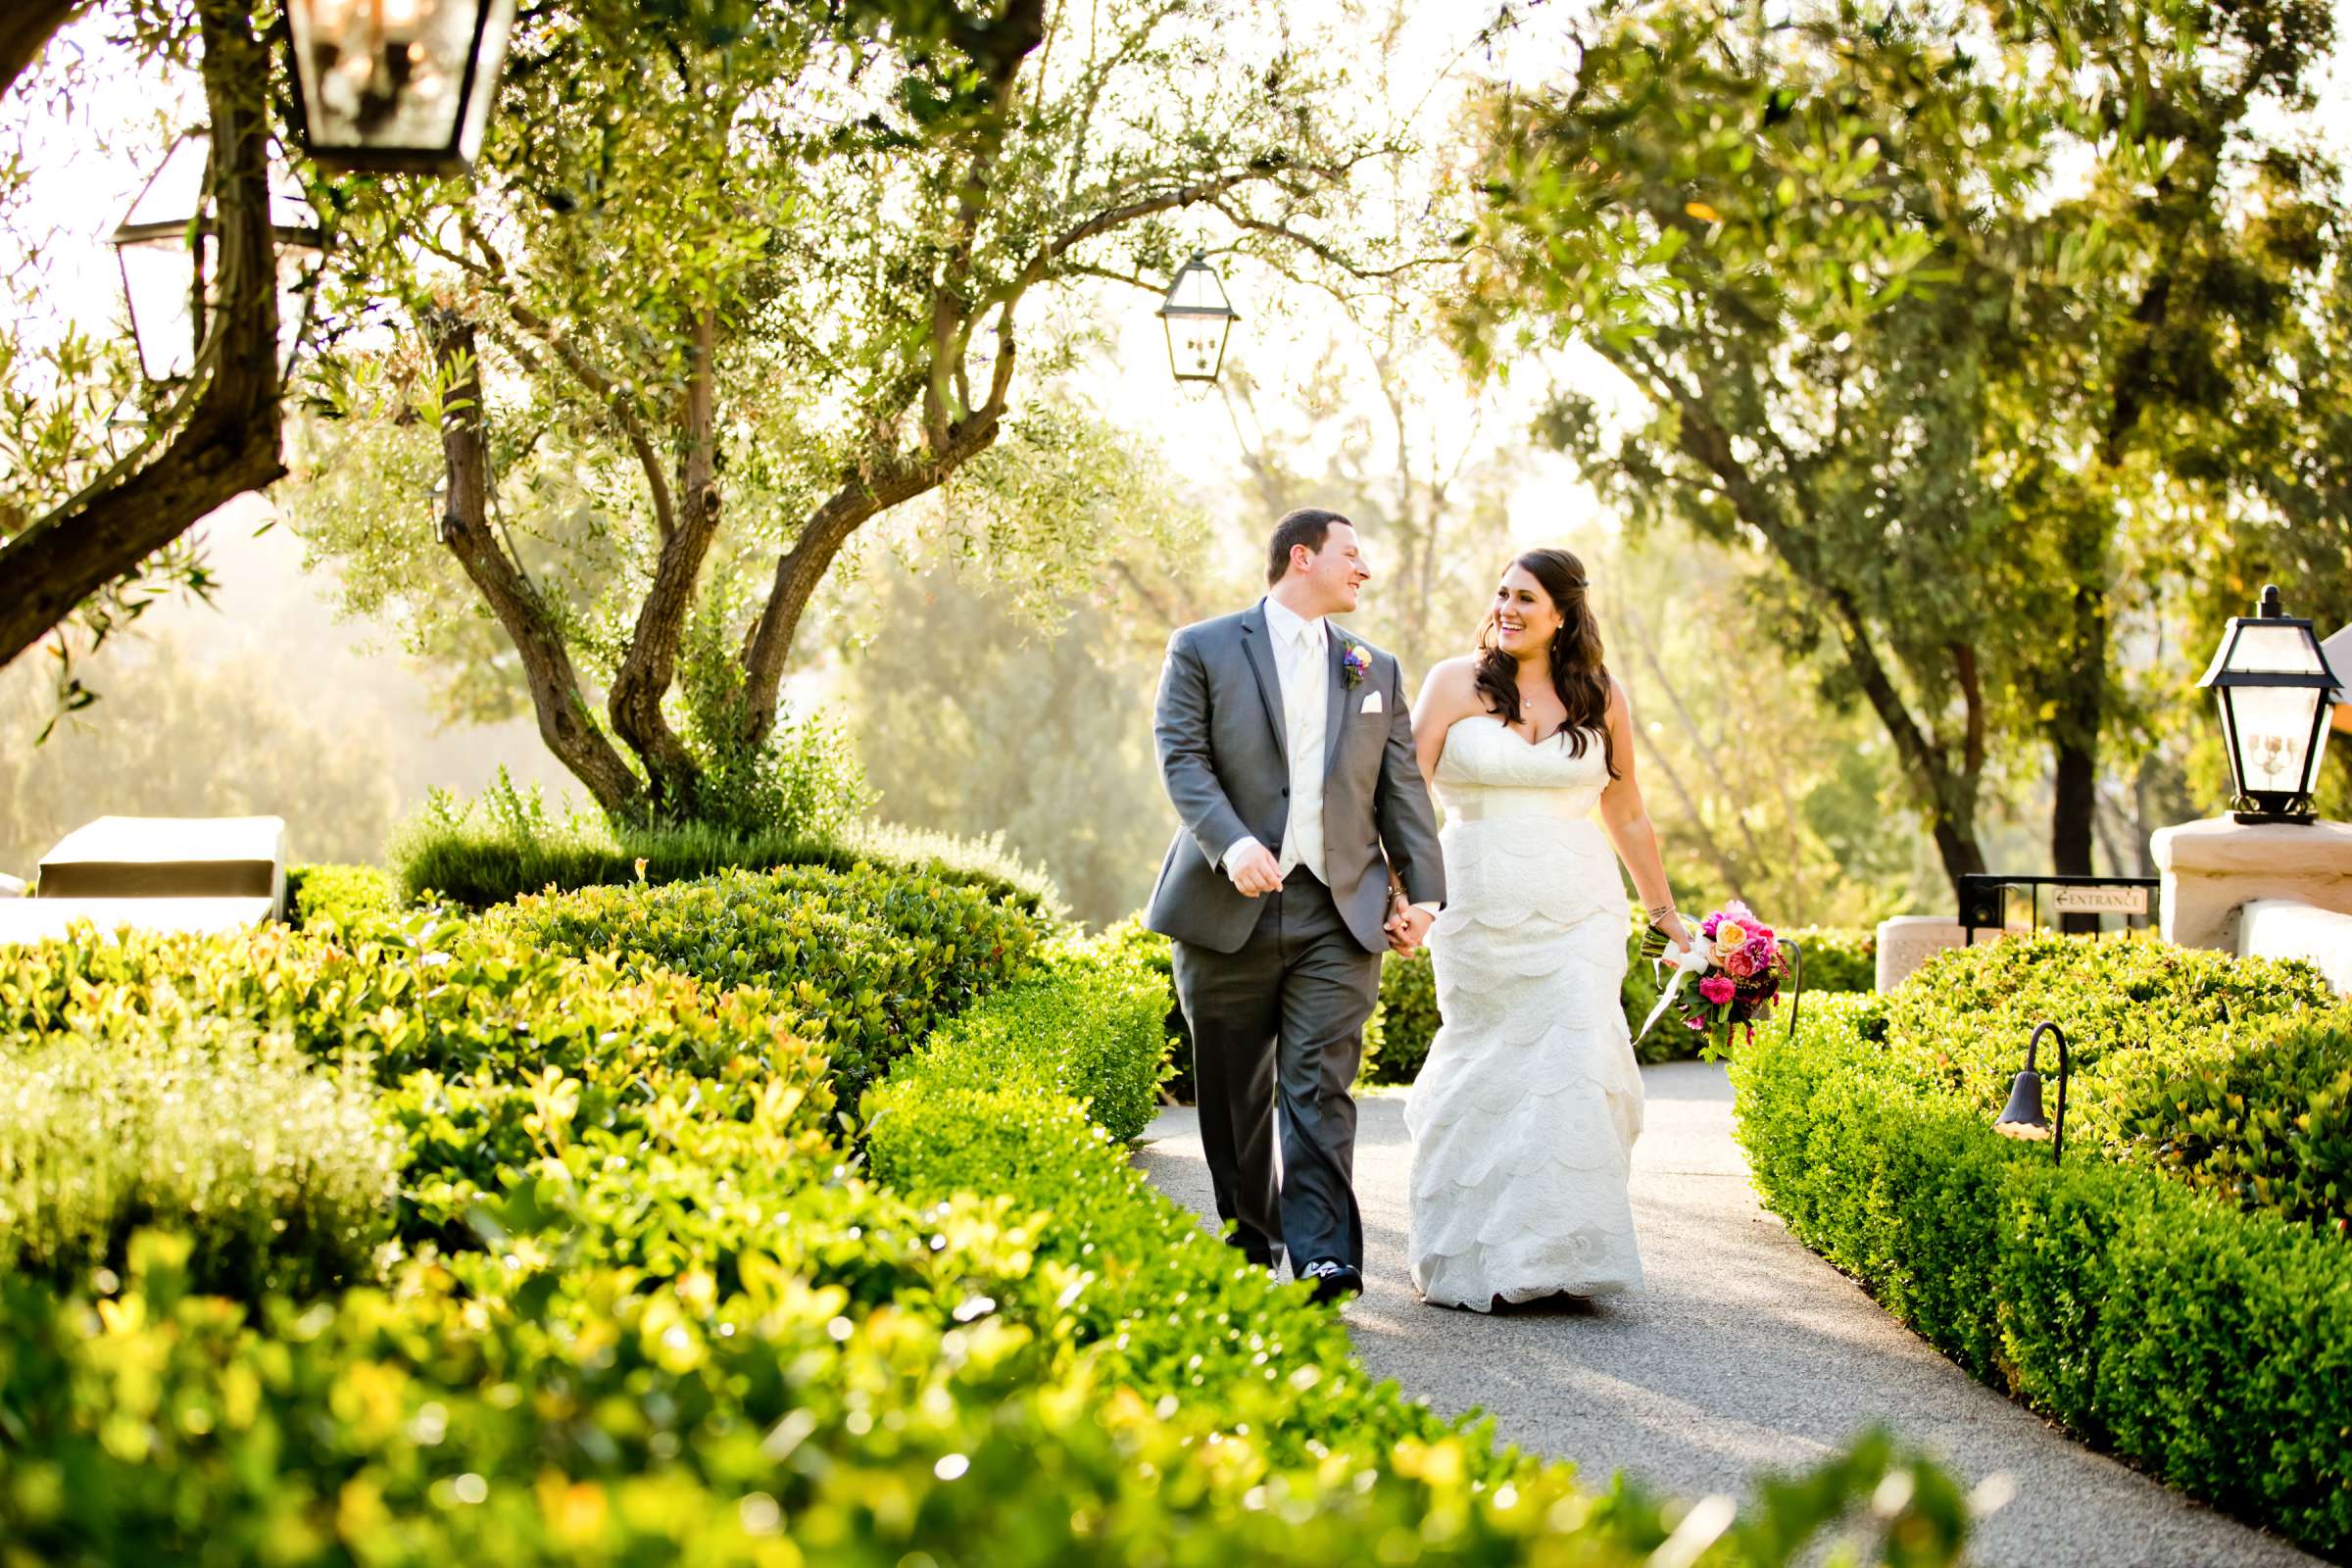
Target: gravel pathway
<point>1747,1353</point>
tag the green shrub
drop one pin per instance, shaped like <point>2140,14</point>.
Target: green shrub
<point>477,857</point>
<point>1092,1028</point>
<point>877,957</point>
<point>354,898</point>
<point>1838,958</point>
<point>2209,1345</point>
<point>2222,1071</point>
<point>1131,942</point>
<point>1408,1016</point>
<point>280,1173</point>
<point>488,1049</point>
<point>598,1421</point>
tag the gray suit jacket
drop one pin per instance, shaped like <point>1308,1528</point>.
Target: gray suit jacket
<point>1226,762</point>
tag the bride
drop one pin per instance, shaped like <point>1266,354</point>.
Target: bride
<point>1524,1117</point>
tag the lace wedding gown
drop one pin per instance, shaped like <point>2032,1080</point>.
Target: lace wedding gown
<point>1524,1117</point>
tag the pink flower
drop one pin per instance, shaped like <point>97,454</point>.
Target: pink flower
<point>1737,910</point>
<point>1717,989</point>
<point>1706,927</point>
<point>1694,1023</point>
<point>1761,950</point>
<point>1737,965</point>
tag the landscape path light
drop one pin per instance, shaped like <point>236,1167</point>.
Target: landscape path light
<point>2022,1116</point>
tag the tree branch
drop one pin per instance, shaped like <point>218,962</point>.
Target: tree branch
<point>230,443</point>
<point>26,26</point>
<point>564,721</point>
<point>597,383</point>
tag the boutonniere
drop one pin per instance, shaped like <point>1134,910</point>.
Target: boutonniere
<point>1353,663</point>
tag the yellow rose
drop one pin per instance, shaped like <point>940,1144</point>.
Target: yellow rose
<point>1729,935</point>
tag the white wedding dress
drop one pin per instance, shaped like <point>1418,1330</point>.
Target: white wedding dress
<point>1524,1116</point>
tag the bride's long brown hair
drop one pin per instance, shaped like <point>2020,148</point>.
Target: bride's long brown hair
<point>1577,672</point>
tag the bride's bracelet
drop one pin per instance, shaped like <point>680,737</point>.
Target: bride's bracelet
<point>1657,913</point>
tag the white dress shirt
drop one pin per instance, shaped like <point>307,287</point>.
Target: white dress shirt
<point>1303,670</point>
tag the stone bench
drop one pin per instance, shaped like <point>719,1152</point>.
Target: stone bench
<point>147,873</point>
<point>170,857</point>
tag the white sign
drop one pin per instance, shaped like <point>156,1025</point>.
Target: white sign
<point>2099,901</point>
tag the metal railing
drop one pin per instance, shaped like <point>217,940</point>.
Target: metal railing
<point>1984,898</point>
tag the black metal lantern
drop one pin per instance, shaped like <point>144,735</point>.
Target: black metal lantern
<point>2023,1117</point>
<point>1197,318</point>
<point>165,246</point>
<point>393,86</point>
<point>2276,691</point>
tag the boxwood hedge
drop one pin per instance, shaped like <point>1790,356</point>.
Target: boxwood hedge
<point>877,958</point>
<point>2201,1329</point>
<point>689,1326</point>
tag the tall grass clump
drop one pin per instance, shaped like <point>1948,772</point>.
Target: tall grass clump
<point>279,1171</point>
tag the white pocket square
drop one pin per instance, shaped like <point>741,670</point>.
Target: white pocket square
<point>1371,704</point>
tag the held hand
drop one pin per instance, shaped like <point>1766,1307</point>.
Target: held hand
<point>1255,871</point>
<point>1407,928</point>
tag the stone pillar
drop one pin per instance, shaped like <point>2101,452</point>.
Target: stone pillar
<point>2212,869</point>
<point>1910,940</point>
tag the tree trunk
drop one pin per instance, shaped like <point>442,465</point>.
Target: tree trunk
<point>769,642</point>
<point>25,25</point>
<point>2081,699</point>
<point>230,442</point>
<point>566,723</point>
<point>651,663</point>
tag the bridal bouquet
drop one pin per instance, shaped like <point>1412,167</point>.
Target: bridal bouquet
<point>1738,965</point>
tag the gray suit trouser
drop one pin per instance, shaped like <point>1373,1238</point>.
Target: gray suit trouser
<point>1280,1023</point>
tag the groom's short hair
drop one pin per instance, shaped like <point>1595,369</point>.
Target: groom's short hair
<point>1309,526</point>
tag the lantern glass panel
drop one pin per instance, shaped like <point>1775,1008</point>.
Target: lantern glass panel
<point>159,280</point>
<point>174,194</point>
<point>2274,727</point>
<point>398,77</point>
<point>2263,650</point>
<point>1196,343</point>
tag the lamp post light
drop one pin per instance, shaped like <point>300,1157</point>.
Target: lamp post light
<point>393,86</point>
<point>2274,689</point>
<point>165,247</point>
<point>2021,1117</point>
<point>1198,317</point>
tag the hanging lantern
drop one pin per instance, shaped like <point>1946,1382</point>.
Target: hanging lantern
<point>166,248</point>
<point>1197,318</point>
<point>392,87</point>
<point>2275,690</point>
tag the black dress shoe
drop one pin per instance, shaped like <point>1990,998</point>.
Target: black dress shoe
<point>1332,1281</point>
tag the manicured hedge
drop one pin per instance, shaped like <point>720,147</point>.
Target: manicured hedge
<point>489,1052</point>
<point>1092,1028</point>
<point>2209,1345</point>
<point>2233,1073</point>
<point>1838,958</point>
<point>690,1328</point>
<point>477,866</point>
<point>1181,1322</point>
<point>878,958</point>
<point>352,897</point>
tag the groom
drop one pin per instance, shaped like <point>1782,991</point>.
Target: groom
<point>1288,749</point>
